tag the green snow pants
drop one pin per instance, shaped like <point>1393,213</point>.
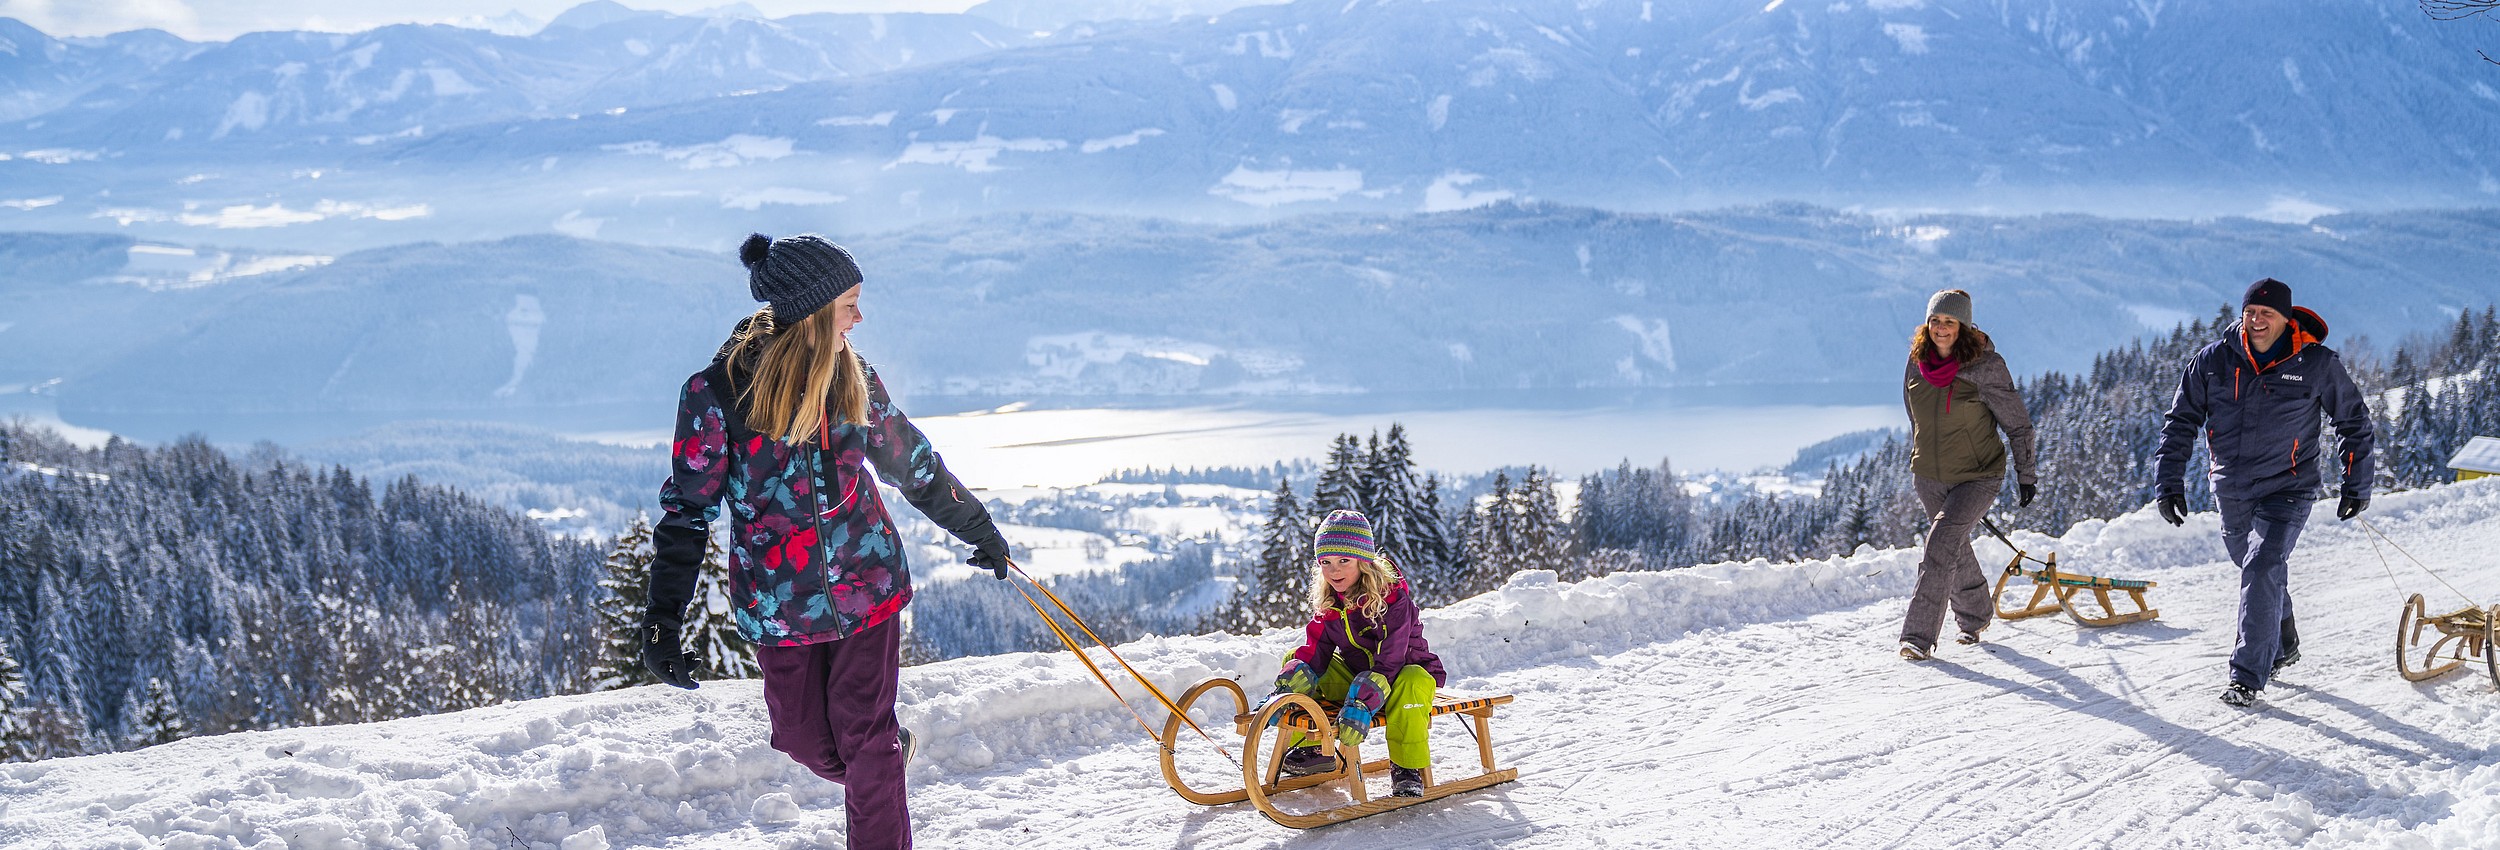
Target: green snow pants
<point>1408,709</point>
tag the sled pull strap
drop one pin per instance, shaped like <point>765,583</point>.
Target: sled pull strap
<point>1072,645</point>
<point>2019,554</point>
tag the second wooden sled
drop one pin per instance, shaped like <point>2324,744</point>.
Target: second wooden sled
<point>2054,590</point>
<point>1261,773</point>
<point>2463,635</point>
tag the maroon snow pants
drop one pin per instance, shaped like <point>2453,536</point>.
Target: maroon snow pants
<point>832,710</point>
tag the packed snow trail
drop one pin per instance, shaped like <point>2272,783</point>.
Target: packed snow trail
<point>1732,705</point>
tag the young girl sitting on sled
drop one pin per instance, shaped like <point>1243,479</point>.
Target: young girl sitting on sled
<point>1365,646</point>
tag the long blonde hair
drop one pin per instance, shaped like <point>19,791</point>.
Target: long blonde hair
<point>793,371</point>
<point>1369,593</point>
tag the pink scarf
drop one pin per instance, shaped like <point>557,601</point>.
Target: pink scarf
<point>1939,372</point>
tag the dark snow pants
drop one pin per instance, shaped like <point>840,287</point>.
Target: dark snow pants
<point>1949,575</point>
<point>832,711</point>
<point>2266,629</point>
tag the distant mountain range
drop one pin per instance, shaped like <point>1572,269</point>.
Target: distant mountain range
<point>666,129</point>
<point>1024,307</point>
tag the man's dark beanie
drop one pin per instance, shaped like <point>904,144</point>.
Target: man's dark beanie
<point>2269,293</point>
<point>798,275</point>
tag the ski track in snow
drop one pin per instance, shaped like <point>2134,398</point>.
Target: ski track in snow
<point>1731,705</point>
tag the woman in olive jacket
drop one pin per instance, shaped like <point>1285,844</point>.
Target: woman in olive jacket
<point>1959,395</point>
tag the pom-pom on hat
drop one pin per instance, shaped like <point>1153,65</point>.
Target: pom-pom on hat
<point>1346,533</point>
<point>798,275</point>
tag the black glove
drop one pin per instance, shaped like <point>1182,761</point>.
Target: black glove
<point>2352,506</point>
<point>664,658</point>
<point>2024,493</point>
<point>2173,509</point>
<point>991,555</point>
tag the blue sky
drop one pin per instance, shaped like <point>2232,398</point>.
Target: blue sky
<point>224,19</point>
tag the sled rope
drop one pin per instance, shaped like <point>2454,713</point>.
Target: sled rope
<point>2009,542</point>
<point>1070,642</point>
<point>2400,549</point>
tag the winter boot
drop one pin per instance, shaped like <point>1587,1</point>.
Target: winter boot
<point>1406,781</point>
<point>2239,695</point>
<point>1913,652</point>
<point>1305,761</point>
<point>1968,638</point>
<point>2290,656</point>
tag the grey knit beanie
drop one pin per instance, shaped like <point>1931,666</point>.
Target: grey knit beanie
<point>798,275</point>
<point>1951,302</point>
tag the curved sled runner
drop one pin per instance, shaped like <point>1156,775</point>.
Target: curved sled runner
<point>1261,777</point>
<point>2463,635</point>
<point>2054,590</point>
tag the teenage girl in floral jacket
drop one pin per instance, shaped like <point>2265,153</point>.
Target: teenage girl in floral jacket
<point>1364,645</point>
<point>785,427</point>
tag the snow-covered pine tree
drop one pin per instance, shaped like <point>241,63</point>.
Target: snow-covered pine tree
<point>1276,592</point>
<point>712,626</point>
<point>1340,484</point>
<point>1544,543</point>
<point>154,716</point>
<point>15,743</point>
<point>624,595</point>
<point>1395,501</point>
<point>1493,541</point>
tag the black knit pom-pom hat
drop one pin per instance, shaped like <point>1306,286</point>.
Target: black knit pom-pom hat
<point>798,275</point>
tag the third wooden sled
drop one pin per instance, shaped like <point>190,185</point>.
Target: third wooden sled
<point>2054,590</point>
<point>2463,635</point>
<point>1261,772</point>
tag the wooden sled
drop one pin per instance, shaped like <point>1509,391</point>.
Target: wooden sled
<point>2054,590</point>
<point>1261,773</point>
<point>2464,635</point>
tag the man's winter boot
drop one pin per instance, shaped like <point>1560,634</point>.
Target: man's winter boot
<point>1406,781</point>
<point>1914,652</point>
<point>1305,761</point>
<point>2239,695</point>
<point>2290,656</point>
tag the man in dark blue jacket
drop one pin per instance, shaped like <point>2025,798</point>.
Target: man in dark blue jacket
<point>2257,393</point>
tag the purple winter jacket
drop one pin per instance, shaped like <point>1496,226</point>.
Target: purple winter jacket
<point>1380,646</point>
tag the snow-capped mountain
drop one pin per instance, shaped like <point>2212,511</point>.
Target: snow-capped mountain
<point>680,130</point>
<point>1055,14</point>
<point>1495,300</point>
<point>40,74</point>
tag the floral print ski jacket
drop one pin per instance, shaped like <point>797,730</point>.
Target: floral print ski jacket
<point>813,555</point>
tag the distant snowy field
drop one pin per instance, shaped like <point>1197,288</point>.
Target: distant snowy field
<point>1730,705</point>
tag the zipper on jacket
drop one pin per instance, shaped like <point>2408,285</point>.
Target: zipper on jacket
<point>2295,454</point>
<point>816,463</point>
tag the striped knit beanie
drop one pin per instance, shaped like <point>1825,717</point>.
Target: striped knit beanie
<point>798,275</point>
<point>1345,533</point>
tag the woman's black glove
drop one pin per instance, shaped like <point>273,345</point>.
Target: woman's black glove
<point>991,555</point>
<point>2024,494</point>
<point>662,655</point>
<point>2352,506</point>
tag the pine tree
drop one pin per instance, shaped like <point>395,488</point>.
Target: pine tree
<point>155,717</point>
<point>1340,484</point>
<point>1493,542</point>
<point>624,587</point>
<point>712,627</point>
<point>1276,591</point>
<point>16,742</point>
<point>1544,544</point>
<point>1394,498</point>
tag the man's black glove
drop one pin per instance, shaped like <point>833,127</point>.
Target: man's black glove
<point>2024,493</point>
<point>2173,509</point>
<point>662,655</point>
<point>991,555</point>
<point>2352,506</point>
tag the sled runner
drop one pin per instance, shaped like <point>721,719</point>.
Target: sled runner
<point>2054,590</point>
<point>2464,635</point>
<point>1261,777</point>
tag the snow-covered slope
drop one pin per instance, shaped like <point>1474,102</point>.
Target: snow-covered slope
<point>1733,705</point>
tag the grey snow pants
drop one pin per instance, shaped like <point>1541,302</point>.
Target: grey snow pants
<point>1949,575</point>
